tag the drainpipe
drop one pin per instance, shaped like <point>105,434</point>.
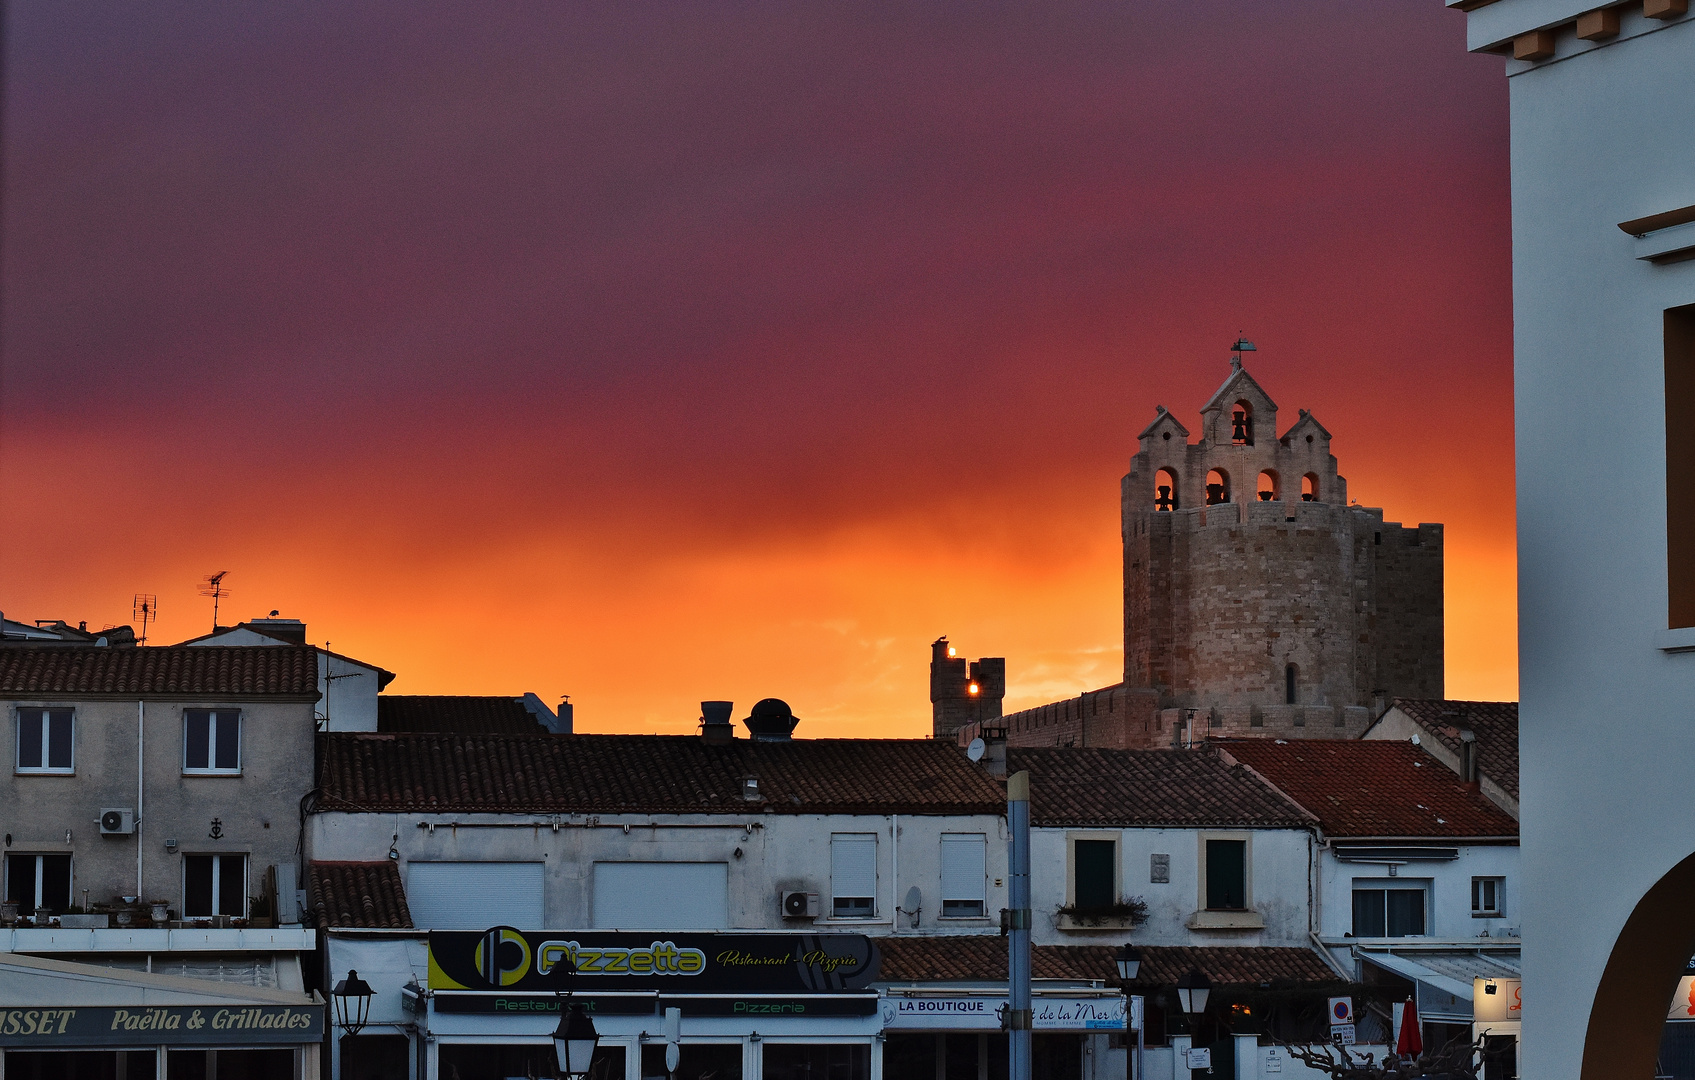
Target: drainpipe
<point>894,874</point>
<point>140,774</point>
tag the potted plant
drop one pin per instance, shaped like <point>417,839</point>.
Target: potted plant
<point>1126,914</point>
<point>160,910</point>
<point>8,913</point>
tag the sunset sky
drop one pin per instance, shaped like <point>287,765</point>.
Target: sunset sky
<point>658,352</point>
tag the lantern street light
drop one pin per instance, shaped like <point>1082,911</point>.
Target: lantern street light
<point>1129,963</point>
<point>574,1041</point>
<point>1193,990</point>
<point>352,1000</point>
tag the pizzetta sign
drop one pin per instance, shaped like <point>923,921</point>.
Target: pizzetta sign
<point>248,1025</point>
<point>502,958</point>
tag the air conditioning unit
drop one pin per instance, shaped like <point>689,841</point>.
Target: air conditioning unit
<point>800,905</point>
<point>117,821</point>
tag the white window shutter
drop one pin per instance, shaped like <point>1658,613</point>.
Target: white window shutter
<point>965,866</point>
<point>853,864</point>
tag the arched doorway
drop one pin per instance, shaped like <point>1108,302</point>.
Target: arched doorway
<point>1628,1017</point>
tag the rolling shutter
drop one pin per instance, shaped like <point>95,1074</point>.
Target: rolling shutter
<point>661,896</point>
<point>853,867</point>
<point>475,895</point>
<point>965,868</point>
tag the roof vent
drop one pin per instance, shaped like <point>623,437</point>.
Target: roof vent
<point>715,726</point>
<point>771,721</point>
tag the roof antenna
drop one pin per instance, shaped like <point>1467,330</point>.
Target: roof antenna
<point>213,586</point>
<point>1242,345</point>
<point>146,609</point>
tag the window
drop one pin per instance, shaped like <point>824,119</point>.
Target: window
<point>211,741</point>
<point>1385,910</point>
<point>1486,898</point>
<point>1227,875</point>
<point>1291,676</point>
<point>476,895</point>
<point>965,872</point>
<point>39,882</point>
<point>1094,872</point>
<point>853,875</point>
<point>44,740</point>
<point>648,895</point>
<point>214,885</point>
<point>1680,468</point>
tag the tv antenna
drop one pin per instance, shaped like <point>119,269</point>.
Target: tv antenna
<point>145,610</point>
<point>214,587</point>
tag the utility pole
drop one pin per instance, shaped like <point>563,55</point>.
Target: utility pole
<point>1019,1015</point>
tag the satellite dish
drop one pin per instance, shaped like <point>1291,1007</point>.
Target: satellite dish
<point>913,898</point>
<point>975,750</point>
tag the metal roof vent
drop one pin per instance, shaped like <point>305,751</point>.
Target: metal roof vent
<point>771,721</point>
<point>715,726</point>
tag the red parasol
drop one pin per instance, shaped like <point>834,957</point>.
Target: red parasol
<point>1410,1043</point>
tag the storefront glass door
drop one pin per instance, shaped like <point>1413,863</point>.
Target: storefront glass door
<point>80,1064</point>
<point>817,1061</point>
<point>489,1061</point>
<point>698,1061</point>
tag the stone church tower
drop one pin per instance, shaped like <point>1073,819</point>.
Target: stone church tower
<point>1257,600</point>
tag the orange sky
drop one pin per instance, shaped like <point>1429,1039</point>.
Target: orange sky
<point>658,353</point>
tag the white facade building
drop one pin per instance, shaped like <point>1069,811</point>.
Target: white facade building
<point>1603,223</point>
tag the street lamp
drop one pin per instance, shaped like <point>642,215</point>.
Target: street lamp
<point>352,1000</point>
<point>1129,962</point>
<point>1193,990</point>
<point>574,1042</point>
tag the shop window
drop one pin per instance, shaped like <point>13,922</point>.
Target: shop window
<point>1389,910</point>
<point>39,882</point>
<point>482,1061</point>
<point>818,1061</point>
<point>375,1057</point>
<point>696,1061</point>
<point>643,895</point>
<point>44,740</point>
<point>1487,899</point>
<point>1226,871</point>
<point>1056,1056</point>
<point>211,741</point>
<point>231,1064</point>
<point>853,875</point>
<point>214,885</point>
<point>475,895</point>
<point>1680,467</point>
<point>965,872</point>
<point>80,1065</point>
<point>1094,873</point>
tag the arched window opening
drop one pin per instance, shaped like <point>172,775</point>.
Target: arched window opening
<point>1291,675</point>
<point>1242,424</point>
<point>1165,490</point>
<point>1269,487</point>
<point>1309,487</point>
<point>1218,487</point>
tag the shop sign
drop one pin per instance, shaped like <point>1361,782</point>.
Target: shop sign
<point>838,1005</point>
<point>504,959</point>
<point>533,1004</point>
<point>161,1025</point>
<point>983,1013</point>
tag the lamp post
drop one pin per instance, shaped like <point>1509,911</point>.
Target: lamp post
<point>1129,963</point>
<point>1193,990</point>
<point>352,1000</point>
<point>575,1038</point>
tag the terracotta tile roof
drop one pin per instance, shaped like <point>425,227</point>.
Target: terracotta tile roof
<point>1086,786</point>
<point>442,773</point>
<point>982,958</point>
<point>364,894</point>
<point>1494,722</point>
<point>456,712</point>
<point>1368,788</point>
<point>208,672</point>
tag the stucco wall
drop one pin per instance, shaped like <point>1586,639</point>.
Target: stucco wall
<point>780,852</point>
<point>1279,870</point>
<point>1448,910</point>
<point>258,811</point>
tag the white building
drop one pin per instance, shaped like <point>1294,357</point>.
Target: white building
<point>347,688</point>
<point>1603,225</point>
<point>730,846</point>
<point>1417,873</point>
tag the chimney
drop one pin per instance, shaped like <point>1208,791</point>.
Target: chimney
<point>771,721</point>
<point>994,750</point>
<point>715,726</point>
<point>1469,772</point>
<point>567,716</point>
